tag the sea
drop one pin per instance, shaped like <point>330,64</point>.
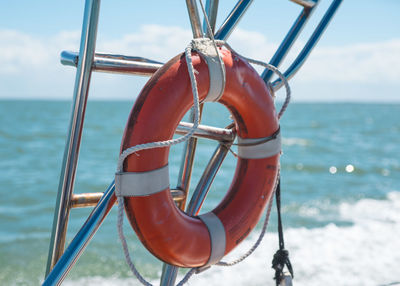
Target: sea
<point>340,172</point>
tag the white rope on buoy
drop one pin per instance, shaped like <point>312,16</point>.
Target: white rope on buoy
<point>187,136</point>
<point>161,144</point>
<point>269,67</point>
<point>259,239</point>
<point>151,145</point>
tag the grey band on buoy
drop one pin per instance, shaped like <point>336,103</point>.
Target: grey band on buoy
<point>260,147</point>
<point>217,236</point>
<point>205,47</point>
<point>134,184</point>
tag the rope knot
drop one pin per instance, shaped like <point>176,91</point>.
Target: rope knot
<point>281,258</point>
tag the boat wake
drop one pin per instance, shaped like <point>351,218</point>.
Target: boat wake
<point>364,252</point>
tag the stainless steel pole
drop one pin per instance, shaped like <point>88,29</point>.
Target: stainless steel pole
<point>115,63</point>
<point>194,18</point>
<point>211,10</point>
<point>71,152</point>
<point>169,272</point>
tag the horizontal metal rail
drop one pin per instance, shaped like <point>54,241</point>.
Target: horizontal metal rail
<point>203,131</point>
<point>208,132</point>
<point>85,200</point>
<point>178,195</point>
<point>81,239</point>
<point>92,199</point>
<point>115,63</point>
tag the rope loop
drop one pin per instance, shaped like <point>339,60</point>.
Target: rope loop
<point>187,136</point>
<point>160,144</point>
<point>281,258</point>
<point>269,67</point>
<point>261,235</point>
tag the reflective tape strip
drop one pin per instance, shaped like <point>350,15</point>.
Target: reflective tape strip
<point>250,149</point>
<point>216,67</point>
<point>134,184</point>
<point>217,236</point>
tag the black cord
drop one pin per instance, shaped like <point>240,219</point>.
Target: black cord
<point>281,257</point>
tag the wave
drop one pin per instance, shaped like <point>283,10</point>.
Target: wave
<point>365,253</point>
<point>295,141</point>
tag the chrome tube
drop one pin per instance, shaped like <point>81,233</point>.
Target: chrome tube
<point>85,200</point>
<point>208,132</point>
<point>232,20</point>
<point>67,177</point>
<point>211,10</point>
<point>185,171</point>
<point>287,43</point>
<point>92,199</point>
<point>169,272</point>
<point>305,52</point>
<point>168,276</point>
<point>81,239</point>
<point>194,18</point>
<point>207,178</point>
<point>115,63</point>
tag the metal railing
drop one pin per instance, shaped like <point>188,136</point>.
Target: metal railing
<point>86,61</point>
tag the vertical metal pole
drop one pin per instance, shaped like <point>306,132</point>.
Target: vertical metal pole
<point>170,272</point>
<point>211,10</point>
<point>185,172</point>
<point>168,276</point>
<point>71,152</point>
<point>194,18</point>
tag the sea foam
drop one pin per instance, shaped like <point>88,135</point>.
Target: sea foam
<point>365,252</point>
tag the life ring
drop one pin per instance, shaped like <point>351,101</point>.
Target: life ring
<point>171,235</point>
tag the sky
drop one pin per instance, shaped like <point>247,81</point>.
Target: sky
<point>356,60</point>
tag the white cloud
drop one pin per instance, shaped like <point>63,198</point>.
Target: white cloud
<point>30,65</point>
<point>21,52</point>
<point>36,59</point>
<point>252,44</point>
<point>18,50</point>
<point>152,41</point>
<point>361,63</point>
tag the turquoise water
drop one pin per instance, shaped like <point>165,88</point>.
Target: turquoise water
<point>340,184</point>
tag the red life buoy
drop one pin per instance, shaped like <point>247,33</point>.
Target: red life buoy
<point>167,232</point>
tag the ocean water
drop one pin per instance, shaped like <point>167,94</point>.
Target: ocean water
<point>340,195</point>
